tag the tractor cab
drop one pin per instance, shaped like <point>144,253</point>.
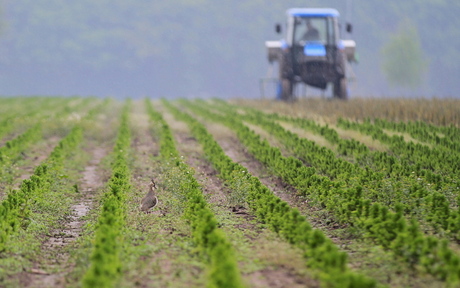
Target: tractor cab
<point>312,33</point>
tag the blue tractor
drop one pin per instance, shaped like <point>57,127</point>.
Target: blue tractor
<point>312,52</point>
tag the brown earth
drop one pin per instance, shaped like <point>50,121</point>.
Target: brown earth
<point>54,249</point>
<point>52,265</point>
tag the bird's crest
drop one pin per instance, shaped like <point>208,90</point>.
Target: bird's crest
<point>152,184</point>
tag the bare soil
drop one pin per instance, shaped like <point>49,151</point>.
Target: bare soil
<point>53,267</point>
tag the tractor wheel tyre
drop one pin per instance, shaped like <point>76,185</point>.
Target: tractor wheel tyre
<point>286,90</point>
<point>285,66</point>
<point>340,89</point>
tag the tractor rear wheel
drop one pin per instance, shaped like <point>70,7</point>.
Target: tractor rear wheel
<point>286,76</point>
<point>340,89</point>
<point>286,89</point>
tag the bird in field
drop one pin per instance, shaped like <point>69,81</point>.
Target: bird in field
<point>150,200</point>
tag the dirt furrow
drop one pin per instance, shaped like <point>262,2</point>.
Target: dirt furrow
<point>54,266</point>
<point>82,179</point>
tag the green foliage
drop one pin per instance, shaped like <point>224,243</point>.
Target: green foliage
<point>211,241</point>
<point>167,144</point>
<point>342,191</point>
<point>105,267</point>
<point>425,132</point>
<point>403,61</point>
<point>39,203</point>
<point>240,187</point>
<point>405,200</point>
<point>11,152</point>
<point>15,209</point>
<point>320,252</point>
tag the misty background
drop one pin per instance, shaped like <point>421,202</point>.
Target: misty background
<point>204,48</point>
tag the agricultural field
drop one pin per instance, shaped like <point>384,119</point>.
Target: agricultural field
<point>251,193</point>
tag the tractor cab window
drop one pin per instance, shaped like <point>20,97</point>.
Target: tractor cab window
<point>316,29</point>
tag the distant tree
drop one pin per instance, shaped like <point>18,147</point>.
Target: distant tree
<point>404,63</point>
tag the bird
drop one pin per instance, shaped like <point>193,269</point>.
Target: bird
<point>150,200</point>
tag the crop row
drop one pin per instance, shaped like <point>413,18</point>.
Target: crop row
<point>319,250</point>
<point>26,108</point>
<point>383,162</point>
<point>15,209</point>
<point>212,242</point>
<point>437,158</point>
<point>345,198</point>
<point>427,202</point>
<point>12,149</point>
<point>11,152</point>
<point>391,166</point>
<point>447,136</point>
<point>105,265</point>
<point>344,146</point>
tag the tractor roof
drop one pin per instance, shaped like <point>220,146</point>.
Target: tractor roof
<point>313,12</point>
